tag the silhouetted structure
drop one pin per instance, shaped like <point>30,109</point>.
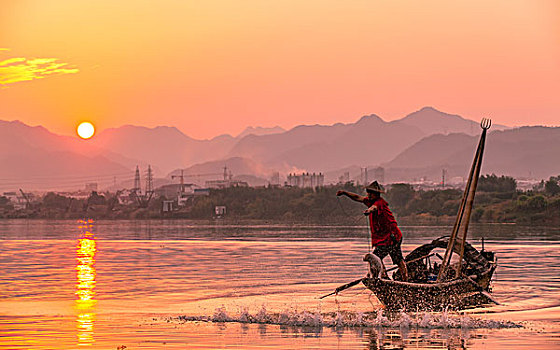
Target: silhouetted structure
<point>306,180</point>
<point>136,188</point>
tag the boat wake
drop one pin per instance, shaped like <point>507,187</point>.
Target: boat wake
<point>350,319</point>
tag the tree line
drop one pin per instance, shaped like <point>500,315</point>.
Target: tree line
<point>497,200</point>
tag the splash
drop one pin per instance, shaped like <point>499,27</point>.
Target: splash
<point>350,319</point>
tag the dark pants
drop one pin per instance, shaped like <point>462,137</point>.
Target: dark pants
<point>394,250</point>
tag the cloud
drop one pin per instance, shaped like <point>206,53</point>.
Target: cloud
<point>18,69</point>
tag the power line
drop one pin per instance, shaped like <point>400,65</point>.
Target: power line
<point>66,177</point>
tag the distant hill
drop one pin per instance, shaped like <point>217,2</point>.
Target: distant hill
<point>434,149</point>
<point>432,121</point>
<point>250,130</point>
<point>165,148</point>
<point>322,147</point>
<point>521,152</point>
<point>239,167</point>
<point>33,158</point>
<point>409,146</point>
<point>267,147</point>
<point>319,148</point>
<point>369,141</point>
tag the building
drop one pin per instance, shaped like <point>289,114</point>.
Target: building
<point>306,180</point>
<point>19,202</point>
<point>221,184</point>
<point>364,179</point>
<point>171,190</point>
<point>76,194</point>
<point>12,196</point>
<point>181,194</point>
<point>220,210</point>
<point>167,206</point>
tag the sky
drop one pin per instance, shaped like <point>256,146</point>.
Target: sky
<point>214,67</point>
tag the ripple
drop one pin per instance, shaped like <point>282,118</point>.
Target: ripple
<point>350,319</point>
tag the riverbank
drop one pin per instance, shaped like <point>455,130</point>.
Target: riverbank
<point>493,204</point>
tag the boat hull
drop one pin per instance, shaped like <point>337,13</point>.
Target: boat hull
<point>454,295</point>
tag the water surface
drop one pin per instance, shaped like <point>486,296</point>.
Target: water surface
<point>155,284</point>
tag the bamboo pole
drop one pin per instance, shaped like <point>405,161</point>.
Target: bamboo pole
<point>470,201</point>
<point>473,178</point>
<point>458,220</point>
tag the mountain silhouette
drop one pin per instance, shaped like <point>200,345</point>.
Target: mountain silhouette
<point>36,159</point>
<point>526,152</point>
<point>432,121</point>
<point>418,145</point>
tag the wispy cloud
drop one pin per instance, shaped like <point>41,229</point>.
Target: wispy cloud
<point>18,69</point>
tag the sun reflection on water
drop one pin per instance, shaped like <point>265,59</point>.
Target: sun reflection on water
<point>85,282</point>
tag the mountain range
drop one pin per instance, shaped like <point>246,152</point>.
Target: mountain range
<point>526,152</point>
<point>419,145</point>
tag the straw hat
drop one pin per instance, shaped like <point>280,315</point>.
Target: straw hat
<point>376,187</point>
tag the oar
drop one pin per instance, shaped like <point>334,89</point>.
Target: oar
<point>343,287</point>
<point>481,290</point>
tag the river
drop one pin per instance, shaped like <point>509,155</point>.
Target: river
<point>173,284</point>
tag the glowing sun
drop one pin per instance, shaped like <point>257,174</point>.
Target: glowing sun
<point>85,130</point>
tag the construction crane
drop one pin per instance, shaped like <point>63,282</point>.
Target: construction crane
<point>27,202</point>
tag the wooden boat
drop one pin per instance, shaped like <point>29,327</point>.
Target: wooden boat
<point>464,284</point>
<point>422,292</point>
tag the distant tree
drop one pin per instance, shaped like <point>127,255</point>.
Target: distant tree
<point>539,187</point>
<point>551,187</point>
<point>477,214</point>
<point>493,183</point>
<point>400,194</point>
<point>522,199</point>
<point>435,202</point>
<point>488,215</point>
<point>95,198</point>
<point>54,200</point>
<point>537,202</point>
<point>555,203</point>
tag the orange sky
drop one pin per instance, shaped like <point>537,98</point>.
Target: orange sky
<point>212,67</point>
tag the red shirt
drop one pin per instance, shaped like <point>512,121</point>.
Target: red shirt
<point>382,223</point>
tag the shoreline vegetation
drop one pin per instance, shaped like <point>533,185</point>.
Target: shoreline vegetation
<point>497,201</point>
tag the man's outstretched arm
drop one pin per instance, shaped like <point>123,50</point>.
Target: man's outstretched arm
<point>353,196</point>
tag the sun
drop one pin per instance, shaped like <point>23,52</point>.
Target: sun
<point>85,130</point>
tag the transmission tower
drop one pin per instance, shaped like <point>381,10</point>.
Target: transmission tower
<point>149,183</point>
<point>225,173</point>
<point>144,200</point>
<point>136,188</point>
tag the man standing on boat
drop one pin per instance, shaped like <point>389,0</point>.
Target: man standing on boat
<point>386,236</point>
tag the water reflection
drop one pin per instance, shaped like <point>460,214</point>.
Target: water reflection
<point>404,338</point>
<point>85,282</point>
